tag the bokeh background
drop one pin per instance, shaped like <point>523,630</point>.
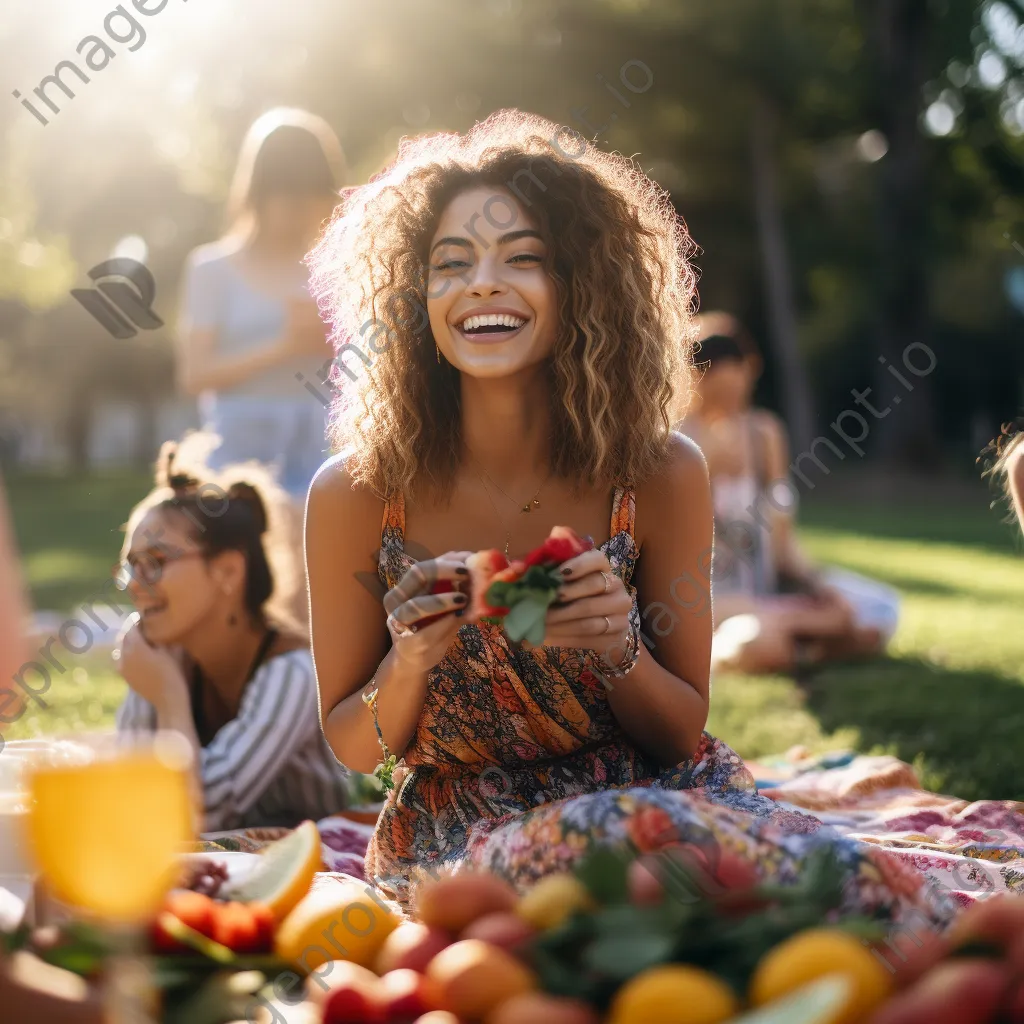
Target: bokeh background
<point>852,171</point>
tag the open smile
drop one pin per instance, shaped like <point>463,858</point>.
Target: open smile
<point>490,327</point>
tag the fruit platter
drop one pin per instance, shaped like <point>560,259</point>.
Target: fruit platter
<point>626,938</point>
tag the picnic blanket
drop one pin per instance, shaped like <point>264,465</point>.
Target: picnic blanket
<point>970,850</point>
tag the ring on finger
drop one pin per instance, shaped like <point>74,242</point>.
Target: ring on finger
<point>607,581</point>
<point>607,625</point>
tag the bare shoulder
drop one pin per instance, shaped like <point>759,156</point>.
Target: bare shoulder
<point>335,492</point>
<point>769,425</point>
<point>679,488</point>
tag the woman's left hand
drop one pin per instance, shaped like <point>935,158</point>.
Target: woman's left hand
<point>593,608</point>
<point>154,673</point>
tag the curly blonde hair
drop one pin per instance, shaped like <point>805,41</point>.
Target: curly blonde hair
<point>617,252</point>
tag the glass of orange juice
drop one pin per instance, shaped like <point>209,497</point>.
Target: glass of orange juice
<point>108,817</point>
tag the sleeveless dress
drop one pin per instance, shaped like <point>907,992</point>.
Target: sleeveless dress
<point>519,767</point>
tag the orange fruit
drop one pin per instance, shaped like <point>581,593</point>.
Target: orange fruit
<point>285,872</point>
<point>342,920</point>
<point>817,952</point>
<point>673,994</point>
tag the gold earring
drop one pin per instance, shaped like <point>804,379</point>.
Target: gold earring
<point>438,351</point>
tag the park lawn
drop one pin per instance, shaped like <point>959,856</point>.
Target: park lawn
<point>949,698</point>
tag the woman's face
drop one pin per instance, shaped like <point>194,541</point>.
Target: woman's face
<point>491,303</point>
<point>294,220</point>
<point>172,585</point>
<point>727,385</point>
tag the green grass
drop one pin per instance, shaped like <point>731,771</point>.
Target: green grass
<point>949,698</point>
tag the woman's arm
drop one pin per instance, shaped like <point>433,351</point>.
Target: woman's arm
<point>788,555</point>
<point>663,703</point>
<point>200,367</point>
<point>349,625</point>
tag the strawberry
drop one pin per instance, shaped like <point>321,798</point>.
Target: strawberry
<point>192,909</point>
<point>483,566</point>
<point>562,544</point>
<point>265,925</point>
<point>440,587</point>
<point>236,927</point>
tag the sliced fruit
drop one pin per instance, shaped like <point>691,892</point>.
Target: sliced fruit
<point>817,952</point>
<point>673,994</point>
<point>813,1004</point>
<point>285,872</point>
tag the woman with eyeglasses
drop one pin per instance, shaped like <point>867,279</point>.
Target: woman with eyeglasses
<point>212,654</point>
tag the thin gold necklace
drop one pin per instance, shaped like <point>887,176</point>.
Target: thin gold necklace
<point>531,506</point>
<point>497,514</point>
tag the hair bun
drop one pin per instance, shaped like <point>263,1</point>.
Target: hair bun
<point>1008,434</point>
<point>167,475</point>
<point>248,494</point>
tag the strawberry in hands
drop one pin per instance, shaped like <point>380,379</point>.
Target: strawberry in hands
<point>521,592</point>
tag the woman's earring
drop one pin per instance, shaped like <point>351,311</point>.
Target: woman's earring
<point>438,351</point>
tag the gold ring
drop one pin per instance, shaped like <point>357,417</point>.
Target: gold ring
<point>607,581</point>
<point>607,625</point>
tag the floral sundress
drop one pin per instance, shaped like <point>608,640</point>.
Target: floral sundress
<point>519,766</point>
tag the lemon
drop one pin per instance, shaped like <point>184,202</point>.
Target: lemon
<point>673,994</point>
<point>553,900</point>
<point>812,954</point>
<point>337,920</point>
<point>285,872</point>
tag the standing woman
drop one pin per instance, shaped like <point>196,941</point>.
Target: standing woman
<point>533,394</point>
<point>250,334</point>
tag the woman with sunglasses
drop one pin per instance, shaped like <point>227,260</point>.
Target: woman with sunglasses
<point>210,652</point>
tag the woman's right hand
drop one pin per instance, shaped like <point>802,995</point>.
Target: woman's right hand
<point>418,644</point>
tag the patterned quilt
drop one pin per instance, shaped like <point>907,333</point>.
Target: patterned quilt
<point>970,850</point>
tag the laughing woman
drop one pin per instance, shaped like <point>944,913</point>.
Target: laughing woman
<point>212,653</point>
<point>533,393</point>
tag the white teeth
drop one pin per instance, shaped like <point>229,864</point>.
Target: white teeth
<point>492,320</point>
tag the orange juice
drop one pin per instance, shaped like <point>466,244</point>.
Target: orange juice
<point>107,834</point>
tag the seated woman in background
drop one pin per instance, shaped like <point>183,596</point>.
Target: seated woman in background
<point>209,656</point>
<point>774,610</point>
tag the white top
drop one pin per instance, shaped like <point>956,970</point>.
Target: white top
<point>271,765</point>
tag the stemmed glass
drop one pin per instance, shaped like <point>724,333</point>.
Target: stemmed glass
<point>108,817</point>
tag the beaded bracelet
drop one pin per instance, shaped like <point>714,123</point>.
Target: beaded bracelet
<point>386,769</point>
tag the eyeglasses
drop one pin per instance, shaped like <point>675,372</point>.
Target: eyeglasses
<point>147,568</point>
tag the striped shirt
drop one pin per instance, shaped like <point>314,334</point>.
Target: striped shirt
<point>271,765</point>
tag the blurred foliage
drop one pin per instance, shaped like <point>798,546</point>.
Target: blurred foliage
<point>147,147</point>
